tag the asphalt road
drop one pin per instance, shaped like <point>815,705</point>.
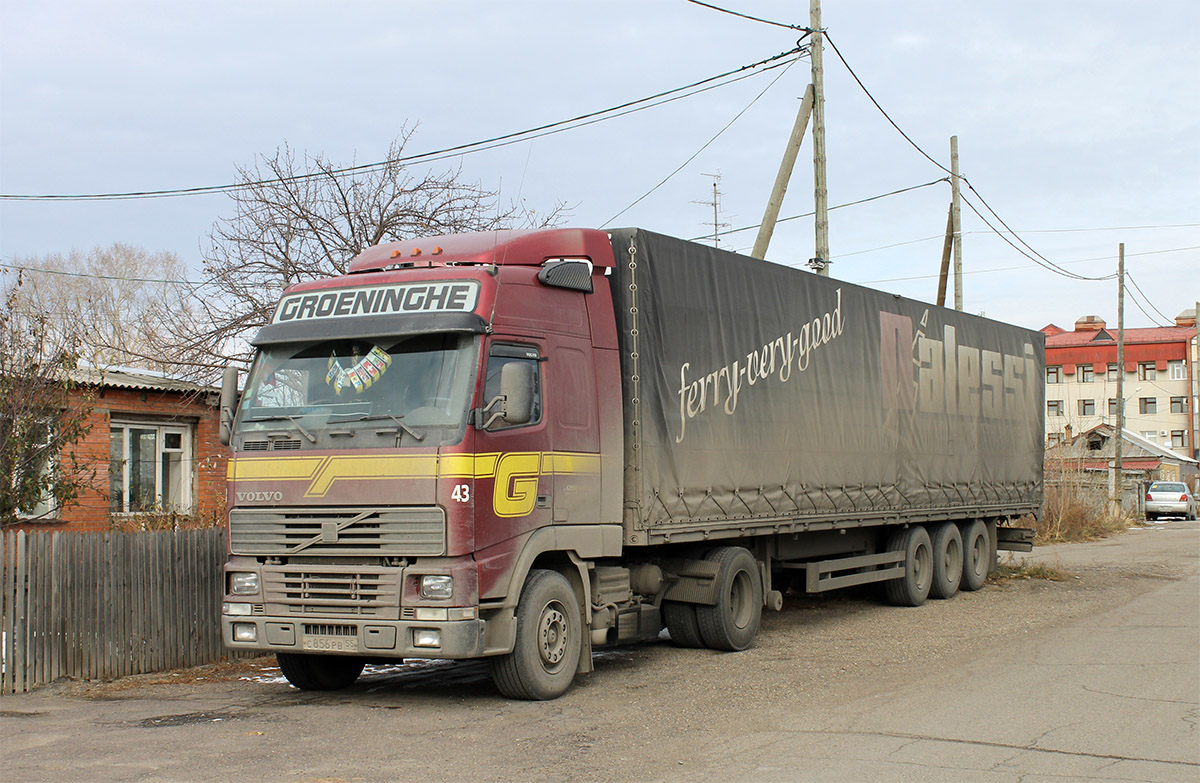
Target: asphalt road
<point>1092,678</point>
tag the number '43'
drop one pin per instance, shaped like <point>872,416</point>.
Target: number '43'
<point>461,493</point>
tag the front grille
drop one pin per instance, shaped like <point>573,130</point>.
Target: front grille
<point>415,531</point>
<point>311,589</point>
<point>329,630</point>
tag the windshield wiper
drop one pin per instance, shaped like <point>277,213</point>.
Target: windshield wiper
<point>284,417</point>
<point>378,416</point>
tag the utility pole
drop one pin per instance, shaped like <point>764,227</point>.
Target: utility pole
<point>956,217</point>
<point>946,246</point>
<point>1115,498</point>
<point>820,195</point>
<point>767,228</point>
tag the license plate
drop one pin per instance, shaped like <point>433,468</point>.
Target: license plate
<point>331,643</point>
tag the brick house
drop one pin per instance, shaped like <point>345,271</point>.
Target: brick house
<point>153,444</point>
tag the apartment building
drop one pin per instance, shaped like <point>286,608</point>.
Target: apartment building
<point>1160,383</point>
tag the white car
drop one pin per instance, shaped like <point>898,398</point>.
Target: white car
<point>1170,499</point>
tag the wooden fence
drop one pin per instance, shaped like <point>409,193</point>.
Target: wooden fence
<point>107,605</point>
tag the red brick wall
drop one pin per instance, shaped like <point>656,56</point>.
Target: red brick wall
<point>91,511</point>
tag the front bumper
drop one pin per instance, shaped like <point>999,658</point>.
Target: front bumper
<point>457,639</point>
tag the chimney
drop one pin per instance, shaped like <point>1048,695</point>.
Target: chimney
<point>1089,323</point>
<point>1067,434</point>
<point>1186,318</point>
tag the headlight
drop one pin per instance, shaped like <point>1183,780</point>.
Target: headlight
<point>245,632</point>
<point>437,586</point>
<point>243,583</point>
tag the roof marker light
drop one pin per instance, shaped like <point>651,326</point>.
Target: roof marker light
<point>437,250</point>
<point>416,251</point>
<point>395,254</point>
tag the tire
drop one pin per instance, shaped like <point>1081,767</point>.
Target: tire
<point>545,655</point>
<point>913,588</point>
<point>947,560</point>
<point>1150,517</point>
<point>319,672</point>
<point>732,623</point>
<point>977,555</point>
<point>682,624</point>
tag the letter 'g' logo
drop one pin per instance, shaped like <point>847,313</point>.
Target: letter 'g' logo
<point>259,497</point>
<point>516,484</point>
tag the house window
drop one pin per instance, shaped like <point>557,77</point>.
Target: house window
<point>1087,407</point>
<point>1112,406</point>
<point>150,468</point>
<point>34,456</point>
<point>1054,407</point>
<point>1150,435</point>
<point>1146,371</point>
<point>1054,439</point>
<point>1112,371</point>
<point>1085,372</point>
<point>1178,439</point>
<point>1179,405</point>
<point>1148,405</point>
<point>1054,373</point>
<point>1176,369</point>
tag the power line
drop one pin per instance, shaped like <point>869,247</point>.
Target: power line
<point>494,142</point>
<point>1146,299</point>
<point>1027,266</point>
<point>839,206</point>
<point>806,30</point>
<point>702,147</point>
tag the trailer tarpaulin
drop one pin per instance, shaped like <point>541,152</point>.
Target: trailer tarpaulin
<point>756,393</point>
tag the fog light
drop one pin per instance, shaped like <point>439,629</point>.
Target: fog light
<point>427,637</point>
<point>437,586</point>
<point>243,583</point>
<point>236,610</point>
<point>428,613</point>
<point>245,632</point>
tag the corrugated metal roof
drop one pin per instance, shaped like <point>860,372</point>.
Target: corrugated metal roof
<point>122,378</point>
<point>1157,334</point>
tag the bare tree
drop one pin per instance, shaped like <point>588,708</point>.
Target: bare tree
<point>108,303</point>
<point>298,218</point>
<point>42,411</point>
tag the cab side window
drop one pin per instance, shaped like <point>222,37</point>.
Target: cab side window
<point>502,354</point>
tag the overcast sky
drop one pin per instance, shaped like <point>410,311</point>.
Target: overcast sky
<point>1078,122</point>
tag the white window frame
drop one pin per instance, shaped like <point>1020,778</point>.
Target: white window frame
<point>186,504</point>
<point>1176,371</point>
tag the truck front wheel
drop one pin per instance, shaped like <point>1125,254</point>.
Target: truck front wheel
<point>549,634</point>
<point>319,672</point>
<point>732,623</point>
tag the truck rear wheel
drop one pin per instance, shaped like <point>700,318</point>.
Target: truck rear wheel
<point>913,588</point>
<point>319,672</point>
<point>977,555</point>
<point>682,624</point>
<point>549,634</point>
<point>732,623</point>
<point>947,560</point>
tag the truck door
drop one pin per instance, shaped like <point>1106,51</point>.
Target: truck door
<point>575,436</point>
<point>512,488</point>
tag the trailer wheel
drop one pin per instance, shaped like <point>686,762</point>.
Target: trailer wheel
<point>913,588</point>
<point>977,555</point>
<point>319,672</point>
<point>732,623</point>
<point>545,655</point>
<point>947,560</point>
<point>682,624</point>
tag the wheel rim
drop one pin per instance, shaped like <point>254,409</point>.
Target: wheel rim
<point>741,612</point>
<point>978,553</point>
<point>922,566</point>
<point>953,557</point>
<point>553,636</point>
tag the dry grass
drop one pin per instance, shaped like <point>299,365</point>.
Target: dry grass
<point>1024,570</point>
<point>1075,510</point>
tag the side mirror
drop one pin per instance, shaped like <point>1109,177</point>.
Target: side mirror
<point>229,394</point>
<point>516,386</point>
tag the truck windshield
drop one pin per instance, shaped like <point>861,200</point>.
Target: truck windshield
<point>416,388</point>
